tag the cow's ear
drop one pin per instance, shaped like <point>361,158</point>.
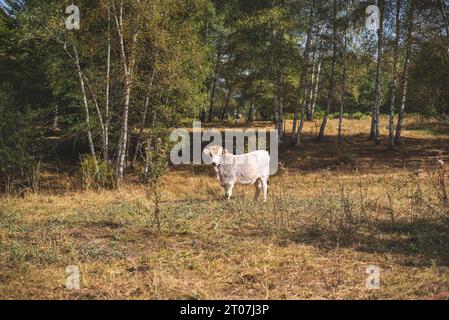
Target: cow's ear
<point>225,151</point>
<point>206,151</point>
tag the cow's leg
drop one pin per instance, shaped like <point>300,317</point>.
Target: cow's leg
<point>259,187</point>
<point>265,189</point>
<point>228,191</point>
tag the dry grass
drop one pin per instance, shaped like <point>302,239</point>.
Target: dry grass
<point>331,213</point>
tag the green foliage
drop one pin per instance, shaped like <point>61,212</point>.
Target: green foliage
<point>24,96</point>
<point>429,94</point>
<point>181,47</point>
<point>96,174</point>
<point>20,144</point>
<point>170,44</point>
<point>157,154</point>
<point>319,114</point>
<point>346,115</point>
<point>358,115</point>
<point>156,160</point>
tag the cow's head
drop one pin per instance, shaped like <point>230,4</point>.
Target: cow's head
<point>215,153</point>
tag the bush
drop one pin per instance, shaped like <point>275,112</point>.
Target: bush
<point>358,116</point>
<point>99,176</point>
<point>318,115</point>
<point>335,115</point>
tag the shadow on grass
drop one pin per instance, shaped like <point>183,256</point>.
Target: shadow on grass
<point>435,128</point>
<point>357,153</point>
<point>419,244</point>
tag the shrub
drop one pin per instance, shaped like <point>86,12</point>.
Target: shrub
<point>100,178</point>
<point>358,115</point>
<point>318,115</point>
<point>156,159</point>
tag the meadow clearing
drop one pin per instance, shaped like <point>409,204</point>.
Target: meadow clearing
<point>331,213</point>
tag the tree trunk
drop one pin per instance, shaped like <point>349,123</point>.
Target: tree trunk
<point>214,84</point>
<point>142,127</point>
<point>444,15</point>
<point>251,113</point>
<point>343,91</point>
<point>312,86</point>
<point>212,100</point>
<point>377,97</point>
<point>142,123</point>
<point>397,139</point>
<point>315,91</point>
<point>123,141</point>
<point>202,115</point>
<point>332,78</point>
<point>276,98</point>
<point>128,75</point>
<point>301,126</point>
<point>98,111</point>
<point>226,105</point>
<point>76,60</point>
<point>280,110</point>
<point>144,118</point>
<point>302,96</point>
<point>86,108</point>
<point>108,85</point>
<point>394,83</point>
<point>55,118</point>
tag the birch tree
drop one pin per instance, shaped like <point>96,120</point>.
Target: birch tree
<point>394,82</point>
<point>405,74</point>
<point>330,94</point>
<point>343,88</point>
<point>316,86</point>
<point>378,91</point>
<point>296,133</point>
<point>444,16</point>
<point>128,58</point>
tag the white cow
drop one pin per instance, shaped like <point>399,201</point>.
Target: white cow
<point>250,168</point>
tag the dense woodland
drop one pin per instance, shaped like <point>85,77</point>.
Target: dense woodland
<point>137,66</point>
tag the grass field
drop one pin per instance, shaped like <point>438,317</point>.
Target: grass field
<point>331,213</point>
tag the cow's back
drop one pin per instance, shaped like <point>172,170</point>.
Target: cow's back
<point>252,166</point>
